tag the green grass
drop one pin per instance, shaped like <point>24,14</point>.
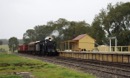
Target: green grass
<point>10,76</point>
<point>10,63</point>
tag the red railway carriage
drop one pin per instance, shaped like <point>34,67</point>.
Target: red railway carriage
<point>22,48</point>
<point>25,48</point>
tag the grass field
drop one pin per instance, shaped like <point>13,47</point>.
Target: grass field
<point>5,47</point>
<point>10,63</point>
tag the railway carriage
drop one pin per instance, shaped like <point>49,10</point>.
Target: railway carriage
<point>22,48</point>
<point>31,48</point>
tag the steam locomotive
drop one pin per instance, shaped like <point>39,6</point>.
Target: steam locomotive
<point>45,47</point>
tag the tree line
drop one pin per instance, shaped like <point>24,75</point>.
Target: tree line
<point>61,30</point>
<point>114,21</point>
<point>111,22</point>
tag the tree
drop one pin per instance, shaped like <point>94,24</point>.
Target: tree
<point>114,21</point>
<point>97,31</point>
<point>124,38</point>
<point>29,36</point>
<point>118,21</point>
<point>13,44</point>
<point>76,28</point>
<point>1,42</point>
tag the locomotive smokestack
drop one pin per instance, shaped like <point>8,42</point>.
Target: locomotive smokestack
<point>49,38</point>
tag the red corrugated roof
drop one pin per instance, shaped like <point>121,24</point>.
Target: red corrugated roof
<point>79,37</point>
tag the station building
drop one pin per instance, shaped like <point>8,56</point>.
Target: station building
<point>82,42</point>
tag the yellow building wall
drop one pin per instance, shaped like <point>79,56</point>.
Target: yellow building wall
<point>87,43</point>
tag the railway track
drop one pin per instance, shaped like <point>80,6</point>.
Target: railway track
<point>101,71</point>
<point>115,71</point>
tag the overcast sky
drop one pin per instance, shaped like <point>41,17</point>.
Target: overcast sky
<point>16,16</point>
